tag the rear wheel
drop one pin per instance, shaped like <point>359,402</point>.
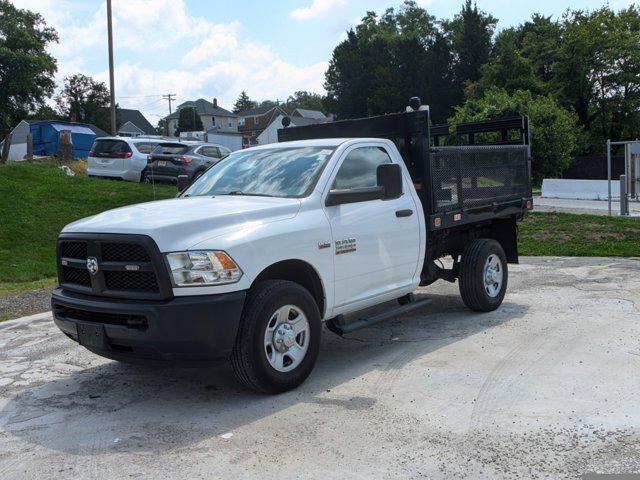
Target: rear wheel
<point>483,275</point>
<point>279,337</point>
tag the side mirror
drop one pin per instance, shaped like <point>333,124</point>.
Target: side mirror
<point>183,182</point>
<point>390,179</point>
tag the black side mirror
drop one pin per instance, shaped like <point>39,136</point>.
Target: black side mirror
<point>183,182</point>
<point>390,179</point>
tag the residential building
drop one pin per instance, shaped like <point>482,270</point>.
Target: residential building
<point>131,123</point>
<point>252,122</point>
<point>311,114</point>
<point>270,134</point>
<point>213,116</point>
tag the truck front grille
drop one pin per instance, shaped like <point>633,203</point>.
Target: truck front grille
<point>131,281</point>
<point>129,266</point>
<point>76,276</point>
<point>124,252</point>
<point>74,250</point>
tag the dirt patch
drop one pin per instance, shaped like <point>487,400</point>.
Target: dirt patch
<point>546,235</point>
<point>604,235</point>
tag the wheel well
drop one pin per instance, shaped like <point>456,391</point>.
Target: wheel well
<point>299,272</point>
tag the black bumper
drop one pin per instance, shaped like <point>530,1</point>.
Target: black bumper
<point>181,330</point>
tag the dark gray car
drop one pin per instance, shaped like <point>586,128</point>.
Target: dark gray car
<point>170,159</point>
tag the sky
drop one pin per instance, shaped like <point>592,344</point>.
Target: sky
<point>217,48</point>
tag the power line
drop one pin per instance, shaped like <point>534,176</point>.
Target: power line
<point>141,96</point>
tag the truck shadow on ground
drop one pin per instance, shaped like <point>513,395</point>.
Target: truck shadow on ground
<point>117,407</point>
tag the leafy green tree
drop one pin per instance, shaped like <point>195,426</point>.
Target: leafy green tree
<point>44,112</point>
<point>509,69</point>
<point>163,127</point>
<point>243,103</point>
<point>554,130</point>
<point>470,34</point>
<point>597,72</point>
<point>82,99</point>
<point>26,69</point>
<point>386,60</point>
<point>306,100</point>
<point>539,42</point>
<point>189,121</point>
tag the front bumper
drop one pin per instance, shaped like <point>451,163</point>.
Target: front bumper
<point>181,330</point>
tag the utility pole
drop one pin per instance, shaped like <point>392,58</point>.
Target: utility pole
<point>114,128</point>
<point>168,96</point>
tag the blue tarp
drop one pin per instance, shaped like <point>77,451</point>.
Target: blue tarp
<point>46,135</point>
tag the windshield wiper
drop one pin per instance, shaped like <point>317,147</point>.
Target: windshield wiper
<point>239,193</point>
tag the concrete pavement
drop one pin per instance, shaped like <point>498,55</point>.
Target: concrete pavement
<point>545,387</point>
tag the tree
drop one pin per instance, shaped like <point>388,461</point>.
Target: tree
<point>554,130</point>
<point>163,127</point>
<point>387,60</point>
<point>598,71</point>
<point>509,69</point>
<point>26,69</point>
<point>85,100</point>
<point>243,103</point>
<point>305,100</point>
<point>189,121</point>
<point>469,34</point>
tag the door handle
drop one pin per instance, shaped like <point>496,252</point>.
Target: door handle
<point>404,213</point>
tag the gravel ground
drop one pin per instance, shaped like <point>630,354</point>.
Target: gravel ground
<point>25,303</point>
<point>547,386</point>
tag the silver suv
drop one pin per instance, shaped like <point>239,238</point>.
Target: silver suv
<point>120,157</point>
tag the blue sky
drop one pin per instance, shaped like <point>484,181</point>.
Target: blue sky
<point>197,48</point>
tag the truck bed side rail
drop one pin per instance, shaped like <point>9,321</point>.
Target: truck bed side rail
<point>469,181</point>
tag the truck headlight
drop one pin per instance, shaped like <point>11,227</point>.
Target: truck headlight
<point>202,268</point>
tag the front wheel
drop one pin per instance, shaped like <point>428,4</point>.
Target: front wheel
<point>279,337</point>
<point>483,275</point>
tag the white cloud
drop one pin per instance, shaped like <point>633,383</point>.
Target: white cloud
<point>317,8</point>
<point>188,55</point>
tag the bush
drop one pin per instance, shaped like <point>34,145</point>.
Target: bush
<point>554,130</point>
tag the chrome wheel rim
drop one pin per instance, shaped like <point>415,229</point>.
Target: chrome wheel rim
<point>493,275</point>
<point>286,338</point>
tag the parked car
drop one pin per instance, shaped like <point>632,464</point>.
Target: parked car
<point>120,157</point>
<point>170,159</point>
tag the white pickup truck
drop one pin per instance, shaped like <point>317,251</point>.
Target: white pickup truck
<point>252,258</point>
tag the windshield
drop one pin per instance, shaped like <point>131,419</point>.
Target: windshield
<point>275,172</point>
<point>170,149</point>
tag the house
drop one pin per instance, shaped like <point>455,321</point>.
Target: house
<point>270,134</point>
<point>312,114</point>
<point>46,134</point>
<point>252,122</point>
<point>131,123</point>
<point>213,116</point>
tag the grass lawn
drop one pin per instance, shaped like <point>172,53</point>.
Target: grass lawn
<point>567,234</point>
<point>36,201</point>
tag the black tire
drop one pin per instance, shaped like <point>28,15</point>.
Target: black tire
<point>472,275</point>
<point>143,176</point>
<point>249,359</point>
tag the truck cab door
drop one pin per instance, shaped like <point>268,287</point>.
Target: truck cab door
<point>376,243</point>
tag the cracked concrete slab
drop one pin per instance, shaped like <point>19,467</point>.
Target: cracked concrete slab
<point>545,387</point>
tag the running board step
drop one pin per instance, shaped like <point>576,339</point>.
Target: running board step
<point>339,326</point>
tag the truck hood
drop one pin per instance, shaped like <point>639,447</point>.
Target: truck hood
<point>180,223</point>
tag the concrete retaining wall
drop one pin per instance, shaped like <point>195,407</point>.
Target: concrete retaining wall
<point>579,189</point>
